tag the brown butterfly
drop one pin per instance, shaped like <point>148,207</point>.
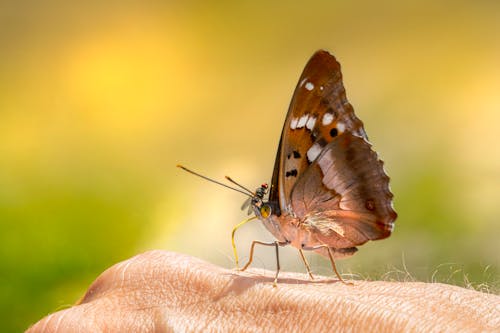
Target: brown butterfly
<point>329,192</point>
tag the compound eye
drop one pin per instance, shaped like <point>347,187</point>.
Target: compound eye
<point>265,211</point>
<point>264,186</point>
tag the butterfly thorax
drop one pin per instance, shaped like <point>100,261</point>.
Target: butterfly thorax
<point>267,213</point>
<point>284,227</point>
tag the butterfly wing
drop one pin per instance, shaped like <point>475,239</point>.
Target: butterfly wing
<point>343,198</point>
<point>318,113</point>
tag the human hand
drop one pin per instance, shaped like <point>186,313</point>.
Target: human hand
<point>160,291</point>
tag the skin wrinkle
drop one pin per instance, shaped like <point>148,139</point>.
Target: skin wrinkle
<point>247,318</point>
<point>215,313</point>
<point>391,311</point>
<point>93,317</point>
<point>252,308</point>
<point>339,315</point>
<point>210,314</point>
<point>98,288</point>
<point>317,315</point>
<point>281,309</point>
<point>58,322</point>
<point>271,315</point>
<point>245,312</point>
<point>123,272</point>
<point>282,304</point>
<point>46,322</point>
<point>134,294</point>
<point>399,305</point>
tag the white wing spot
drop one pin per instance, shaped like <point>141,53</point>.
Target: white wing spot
<point>302,121</point>
<point>293,124</point>
<point>327,119</point>
<point>313,152</point>
<point>321,88</point>
<point>341,127</point>
<point>310,123</point>
<point>302,82</point>
<point>309,86</point>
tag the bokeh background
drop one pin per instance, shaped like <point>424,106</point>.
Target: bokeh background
<point>100,101</point>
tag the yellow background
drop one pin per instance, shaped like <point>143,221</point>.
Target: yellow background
<point>99,102</point>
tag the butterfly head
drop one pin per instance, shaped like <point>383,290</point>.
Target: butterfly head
<point>261,209</point>
<point>261,191</point>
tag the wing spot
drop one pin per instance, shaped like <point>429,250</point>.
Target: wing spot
<point>291,173</point>
<point>334,132</point>
<point>327,119</point>
<point>370,204</point>
<point>302,121</point>
<point>310,123</point>
<point>313,152</point>
<point>309,86</point>
<point>341,127</point>
<point>293,123</point>
<point>322,142</point>
<point>296,154</point>
<point>313,136</point>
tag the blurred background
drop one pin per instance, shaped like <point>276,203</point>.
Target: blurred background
<point>99,102</point>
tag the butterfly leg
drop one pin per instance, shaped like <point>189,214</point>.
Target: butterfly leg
<point>330,256</point>
<point>308,268</point>
<point>276,246</point>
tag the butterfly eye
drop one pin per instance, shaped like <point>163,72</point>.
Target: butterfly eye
<point>265,211</point>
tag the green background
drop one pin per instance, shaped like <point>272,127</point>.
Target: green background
<point>99,102</point>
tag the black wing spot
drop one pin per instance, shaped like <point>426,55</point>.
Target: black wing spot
<point>296,154</point>
<point>288,156</point>
<point>322,142</point>
<point>334,132</point>
<point>291,173</point>
<point>313,136</point>
<point>370,204</point>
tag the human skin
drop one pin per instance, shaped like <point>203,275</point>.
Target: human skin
<point>161,291</point>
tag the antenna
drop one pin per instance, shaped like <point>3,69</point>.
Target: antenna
<point>239,185</point>
<point>219,183</point>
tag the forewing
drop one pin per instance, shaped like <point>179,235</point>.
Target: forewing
<point>319,112</point>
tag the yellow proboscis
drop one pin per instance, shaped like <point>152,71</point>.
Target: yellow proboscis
<point>232,238</point>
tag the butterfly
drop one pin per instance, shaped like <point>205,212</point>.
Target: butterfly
<point>329,192</point>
